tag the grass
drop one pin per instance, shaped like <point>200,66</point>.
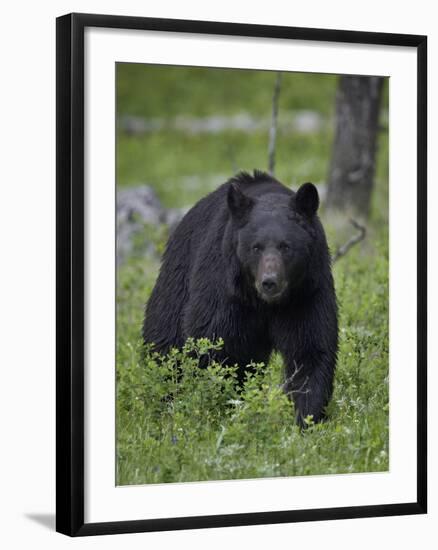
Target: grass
<point>186,156</point>
<point>206,92</point>
<point>161,91</point>
<point>210,430</point>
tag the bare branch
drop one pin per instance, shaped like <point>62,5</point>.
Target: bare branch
<point>342,250</point>
<point>273,128</point>
<point>288,386</point>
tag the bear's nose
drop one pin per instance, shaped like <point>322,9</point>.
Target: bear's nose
<point>269,284</point>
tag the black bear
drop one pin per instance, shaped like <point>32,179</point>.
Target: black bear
<point>250,263</point>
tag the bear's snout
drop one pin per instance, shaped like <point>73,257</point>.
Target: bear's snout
<point>271,281</point>
<point>269,284</point>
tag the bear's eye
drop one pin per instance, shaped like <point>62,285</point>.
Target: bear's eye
<point>256,248</point>
<point>284,247</point>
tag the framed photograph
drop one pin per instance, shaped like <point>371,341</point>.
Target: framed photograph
<point>241,274</point>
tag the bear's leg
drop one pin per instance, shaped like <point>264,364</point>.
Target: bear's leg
<point>308,342</point>
<point>309,383</point>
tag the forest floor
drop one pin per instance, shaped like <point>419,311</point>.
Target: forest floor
<point>210,430</point>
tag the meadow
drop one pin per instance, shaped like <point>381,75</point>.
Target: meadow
<point>211,429</point>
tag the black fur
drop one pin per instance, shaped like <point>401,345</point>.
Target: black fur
<point>220,263</point>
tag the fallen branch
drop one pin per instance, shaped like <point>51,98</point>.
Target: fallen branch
<point>273,128</point>
<point>342,250</point>
<point>289,386</point>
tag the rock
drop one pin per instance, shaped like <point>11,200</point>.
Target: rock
<point>138,207</point>
<point>139,201</point>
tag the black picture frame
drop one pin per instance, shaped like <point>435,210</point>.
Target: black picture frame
<point>70,273</point>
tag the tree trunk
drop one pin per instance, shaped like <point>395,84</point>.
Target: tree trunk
<point>351,175</point>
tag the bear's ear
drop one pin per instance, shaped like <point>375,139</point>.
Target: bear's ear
<point>239,204</point>
<point>307,200</point>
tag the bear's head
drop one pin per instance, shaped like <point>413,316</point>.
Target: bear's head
<point>275,236</point>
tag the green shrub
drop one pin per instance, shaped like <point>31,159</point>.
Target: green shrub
<point>178,422</point>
